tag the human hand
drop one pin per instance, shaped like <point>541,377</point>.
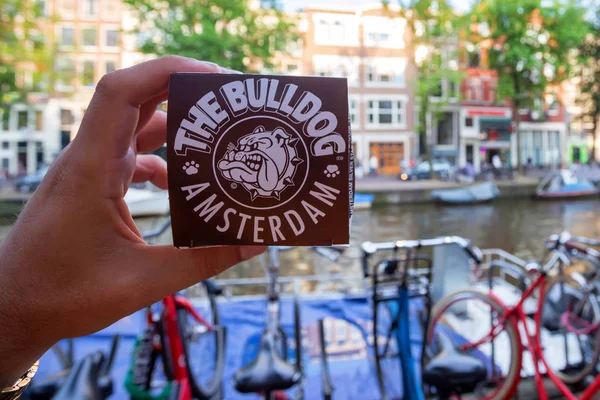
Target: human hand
<point>75,262</point>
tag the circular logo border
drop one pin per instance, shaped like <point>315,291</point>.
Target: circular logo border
<point>218,178</point>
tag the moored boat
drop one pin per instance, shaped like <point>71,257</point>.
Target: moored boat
<point>564,184</point>
<point>479,193</point>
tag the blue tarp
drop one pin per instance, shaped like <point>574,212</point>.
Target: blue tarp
<point>348,331</point>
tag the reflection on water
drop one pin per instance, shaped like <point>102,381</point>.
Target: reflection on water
<point>518,226</point>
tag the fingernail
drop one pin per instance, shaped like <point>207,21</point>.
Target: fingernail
<point>247,252</point>
<point>230,71</point>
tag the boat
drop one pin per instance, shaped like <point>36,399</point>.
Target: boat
<point>147,202</point>
<point>363,201</point>
<point>479,193</point>
<point>564,184</point>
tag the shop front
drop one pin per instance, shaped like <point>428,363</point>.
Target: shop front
<point>388,151</point>
<point>485,132</point>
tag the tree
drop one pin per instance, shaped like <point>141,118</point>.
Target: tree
<point>22,48</point>
<point>432,28</point>
<point>532,45</point>
<point>588,73</point>
<point>231,33</point>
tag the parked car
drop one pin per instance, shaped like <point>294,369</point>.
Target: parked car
<point>28,183</point>
<point>442,169</point>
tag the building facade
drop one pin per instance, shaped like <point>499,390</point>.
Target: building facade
<point>89,41</point>
<point>368,47</point>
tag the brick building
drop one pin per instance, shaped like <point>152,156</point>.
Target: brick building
<point>88,39</point>
<point>368,46</point>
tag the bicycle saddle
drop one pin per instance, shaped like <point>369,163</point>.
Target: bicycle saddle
<point>451,372</point>
<point>268,371</point>
<point>45,389</point>
<point>85,382</point>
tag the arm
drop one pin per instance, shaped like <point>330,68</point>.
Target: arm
<point>75,262</point>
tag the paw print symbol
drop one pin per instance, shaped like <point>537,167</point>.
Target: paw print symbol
<point>191,167</point>
<point>332,171</point>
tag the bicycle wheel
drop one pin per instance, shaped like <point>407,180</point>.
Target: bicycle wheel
<point>467,317</point>
<point>203,346</point>
<point>572,346</point>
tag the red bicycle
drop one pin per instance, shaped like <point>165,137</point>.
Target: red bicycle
<point>482,339</point>
<point>181,354</point>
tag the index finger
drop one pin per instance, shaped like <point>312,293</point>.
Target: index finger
<point>109,125</point>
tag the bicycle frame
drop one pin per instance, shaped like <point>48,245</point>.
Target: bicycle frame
<point>180,385</point>
<point>533,341</point>
<point>177,356</point>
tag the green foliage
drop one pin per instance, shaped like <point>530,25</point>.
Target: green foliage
<point>588,72</point>
<point>22,45</point>
<point>433,27</point>
<point>227,32</point>
<point>533,44</point>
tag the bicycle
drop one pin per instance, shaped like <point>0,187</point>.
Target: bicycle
<point>88,378</point>
<point>270,373</point>
<point>394,281</point>
<point>489,334</point>
<point>161,363</point>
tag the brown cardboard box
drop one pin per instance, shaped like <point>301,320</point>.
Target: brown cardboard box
<point>259,159</point>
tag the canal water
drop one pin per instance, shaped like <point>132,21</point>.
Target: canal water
<point>517,226</point>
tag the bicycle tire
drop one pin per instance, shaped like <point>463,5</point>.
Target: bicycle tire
<point>509,384</point>
<point>591,353</point>
<point>200,390</point>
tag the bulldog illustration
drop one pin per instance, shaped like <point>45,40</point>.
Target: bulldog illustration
<point>264,162</point>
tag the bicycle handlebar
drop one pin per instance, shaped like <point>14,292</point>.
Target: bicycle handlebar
<point>474,252</point>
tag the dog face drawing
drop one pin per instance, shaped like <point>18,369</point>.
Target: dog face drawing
<point>264,162</point>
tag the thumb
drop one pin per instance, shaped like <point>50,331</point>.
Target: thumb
<point>162,270</point>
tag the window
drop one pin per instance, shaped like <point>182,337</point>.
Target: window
<point>5,162</point>
<point>67,36</point>
<point>39,120</point>
<point>385,71</point>
<point>292,68</point>
<point>88,73</point>
<point>4,116</point>
<point>337,32</point>
<point>453,89</point>
<point>469,122</point>
<point>90,7</point>
<point>341,66</point>
<point>444,129</point>
<point>41,6</point>
<point>383,32</point>
<point>110,67</point>
<point>66,117</point>
<point>90,37</point>
<point>65,69</point>
<point>112,37</point>
<point>5,145</point>
<point>353,111</point>
<point>22,119</point>
<point>474,59</point>
<point>552,104</point>
<point>386,112</point>
<point>336,29</point>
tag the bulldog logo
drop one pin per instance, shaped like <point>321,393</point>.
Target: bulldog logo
<point>263,162</point>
